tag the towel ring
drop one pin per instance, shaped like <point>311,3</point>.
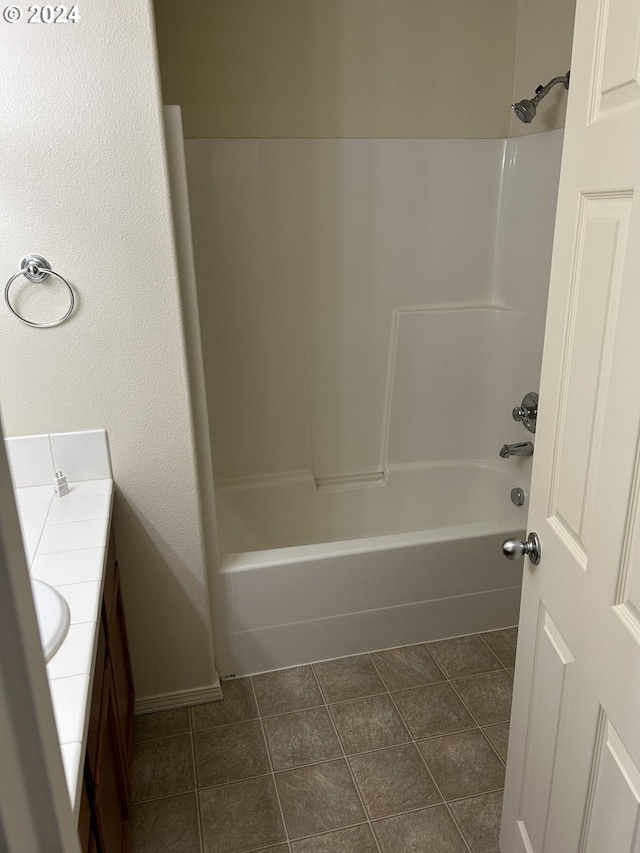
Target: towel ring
<point>35,268</point>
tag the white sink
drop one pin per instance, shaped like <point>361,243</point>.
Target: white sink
<point>53,617</point>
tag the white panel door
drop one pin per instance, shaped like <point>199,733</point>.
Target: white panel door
<point>573,777</point>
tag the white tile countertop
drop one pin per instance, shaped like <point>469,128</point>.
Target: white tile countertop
<point>66,541</point>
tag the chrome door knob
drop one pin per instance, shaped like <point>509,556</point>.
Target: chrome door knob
<point>516,549</point>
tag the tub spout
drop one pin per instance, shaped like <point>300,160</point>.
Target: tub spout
<point>523,448</point>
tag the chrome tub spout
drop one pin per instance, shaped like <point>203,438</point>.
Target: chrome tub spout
<point>523,448</point>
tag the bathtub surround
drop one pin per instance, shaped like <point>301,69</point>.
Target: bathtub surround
<point>335,275</point>
<point>368,326</point>
<point>87,186</point>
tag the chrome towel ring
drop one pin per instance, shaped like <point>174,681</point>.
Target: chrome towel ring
<point>36,269</point>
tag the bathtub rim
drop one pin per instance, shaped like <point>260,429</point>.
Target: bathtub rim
<point>249,560</point>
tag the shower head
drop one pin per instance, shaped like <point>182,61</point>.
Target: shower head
<point>525,110</point>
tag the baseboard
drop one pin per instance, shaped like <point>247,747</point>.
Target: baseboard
<point>280,646</point>
<point>179,698</point>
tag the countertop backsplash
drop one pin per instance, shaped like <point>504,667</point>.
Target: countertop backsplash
<point>34,459</point>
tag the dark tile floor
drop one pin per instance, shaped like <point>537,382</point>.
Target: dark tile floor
<point>400,751</point>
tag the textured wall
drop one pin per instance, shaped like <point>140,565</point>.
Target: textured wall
<point>543,51</point>
<point>83,181</point>
<point>339,68</point>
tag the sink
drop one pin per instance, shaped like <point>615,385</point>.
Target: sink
<point>53,616</point>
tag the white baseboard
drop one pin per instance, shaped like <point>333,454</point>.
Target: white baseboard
<point>179,698</point>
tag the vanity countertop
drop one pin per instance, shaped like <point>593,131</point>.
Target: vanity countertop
<point>66,543</point>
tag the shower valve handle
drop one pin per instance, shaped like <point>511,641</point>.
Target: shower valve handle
<point>516,549</point>
<point>527,411</point>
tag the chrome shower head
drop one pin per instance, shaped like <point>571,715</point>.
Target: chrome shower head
<point>525,110</point>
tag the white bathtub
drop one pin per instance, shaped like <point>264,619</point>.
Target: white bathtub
<point>309,574</point>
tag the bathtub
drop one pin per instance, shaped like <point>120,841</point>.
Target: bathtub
<point>313,572</point>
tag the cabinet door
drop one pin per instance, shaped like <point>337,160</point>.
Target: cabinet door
<point>123,683</point>
<point>84,819</point>
<point>110,581</point>
<point>95,709</point>
<point>110,796</point>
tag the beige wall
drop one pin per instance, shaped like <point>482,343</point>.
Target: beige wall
<point>339,68</point>
<point>83,181</point>
<point>543,51</point>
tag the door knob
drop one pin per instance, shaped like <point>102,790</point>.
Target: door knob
<point>516,549</point>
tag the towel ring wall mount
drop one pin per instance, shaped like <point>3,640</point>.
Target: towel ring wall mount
<point>37,269</point>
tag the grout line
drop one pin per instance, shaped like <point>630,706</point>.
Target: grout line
<point>195,780</point>
<point>348,765</point>
<point>500,758</point>
<point>479,794</point>
<point>237,782</point>
<point>226,725</point>
<point>273,775</point>
<point>444,680</point>
<point>285,713</point>
<point>479,675</point>
<point>499,667</point>
<point>437,787</point>
<point>261,848</point>
<point>502,663</point>
<point>163,797</point>
<point>491,744</point>
<point>317,681</point>
<point>473,717</point>
<point>329,831</point>
<point>357,698</point>
<point>154,739</point>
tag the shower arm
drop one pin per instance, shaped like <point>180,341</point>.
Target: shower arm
<point>543,91</point>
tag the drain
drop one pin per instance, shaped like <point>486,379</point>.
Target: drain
<point>518,497</point>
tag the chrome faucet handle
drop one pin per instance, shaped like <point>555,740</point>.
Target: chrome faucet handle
<point>527,412</point>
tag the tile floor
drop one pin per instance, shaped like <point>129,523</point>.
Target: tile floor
<point>399,751</point>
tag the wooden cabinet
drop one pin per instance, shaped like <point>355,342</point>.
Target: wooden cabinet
<point>103,825</point>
